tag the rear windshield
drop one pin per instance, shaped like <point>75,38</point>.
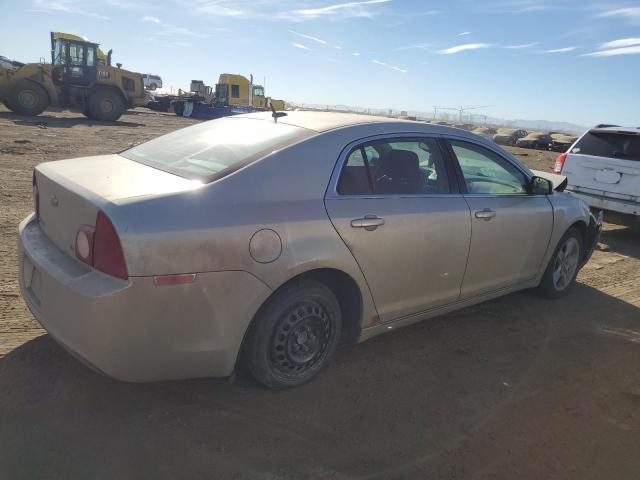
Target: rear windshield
<point>610,145</point>
<point>210,150</point>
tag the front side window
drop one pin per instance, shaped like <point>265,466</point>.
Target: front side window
<point>395,167</point>
<point>487,172</point>
<point>235,91</point>
<point>90,56</point>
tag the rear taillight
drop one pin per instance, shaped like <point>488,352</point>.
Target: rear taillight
<point>559,165</point>
<point>100,247</point>
<point>36,196</point>
<point>107,251</point>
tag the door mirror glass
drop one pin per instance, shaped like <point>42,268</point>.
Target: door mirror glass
<point>540,186</point>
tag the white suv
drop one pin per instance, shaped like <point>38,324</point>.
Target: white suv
<point>603,169</point>
<point>151,81</point>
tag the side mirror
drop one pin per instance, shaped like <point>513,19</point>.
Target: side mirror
<point>540,186</point>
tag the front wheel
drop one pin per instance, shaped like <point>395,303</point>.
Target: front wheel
<point>563,267</point>
<point>294,335</point>
<point>105,105</point>
<point>28,98</point>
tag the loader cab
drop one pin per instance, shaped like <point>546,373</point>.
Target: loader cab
<point>73,62</point>
<point>222,94</point>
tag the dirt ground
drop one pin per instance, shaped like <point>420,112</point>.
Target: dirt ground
<point>519,387</point>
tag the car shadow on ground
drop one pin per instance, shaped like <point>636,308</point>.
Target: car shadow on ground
<point>47,121</point>
<point>469,393</point>
<point>622,240</point>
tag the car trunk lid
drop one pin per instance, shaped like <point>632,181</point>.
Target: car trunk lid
<point>71,192</point>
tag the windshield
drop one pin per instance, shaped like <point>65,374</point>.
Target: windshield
<point>213,149</point>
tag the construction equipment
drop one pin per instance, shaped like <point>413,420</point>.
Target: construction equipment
<point>75,79</point>
<point>101,58</point>
<point>237,91</point>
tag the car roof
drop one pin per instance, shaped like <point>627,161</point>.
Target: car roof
<point>616,129</point>
<point>324,121</point>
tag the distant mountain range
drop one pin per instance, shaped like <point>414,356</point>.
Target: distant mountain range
<point>542,125</point>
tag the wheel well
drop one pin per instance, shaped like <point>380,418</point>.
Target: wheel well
<point>581,227</point>
<point>348,294</point>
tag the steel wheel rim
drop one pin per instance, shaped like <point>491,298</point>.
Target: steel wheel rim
<point>28,98</point>
<point>301,338</point>
<point>566,263</point>
<point>106,106</point>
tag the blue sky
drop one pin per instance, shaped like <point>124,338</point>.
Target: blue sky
<point>566,60</point>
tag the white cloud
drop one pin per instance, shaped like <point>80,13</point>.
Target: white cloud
<point>560,50</point>
<point>630,13</point>
<point>522,46</point>
<point>464,34</point>
<point>356,54</point>
<point>338,47</point>
<point>150,19</point>
<point>623,42</point>
<point>67,6</point>
<point>634,50</point>
<point>308,37</point>
<point>462,48</point>
<point>299,45</point>
<point>419,46</point>
<point>339,10</point>
<point>386,65</point>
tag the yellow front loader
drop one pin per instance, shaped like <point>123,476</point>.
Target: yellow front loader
<point>76,78</point>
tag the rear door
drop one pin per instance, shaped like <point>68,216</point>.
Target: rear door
<point>605,163</point>
<point>510,229</point>
<point>393,202</point>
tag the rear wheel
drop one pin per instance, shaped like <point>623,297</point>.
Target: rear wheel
<point>28,98</point>
<point>294,335</point>
<point>563,267</point>
<point>105,105</point>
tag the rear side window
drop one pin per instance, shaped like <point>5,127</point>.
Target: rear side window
<point>610,145</point>
<point>396,166</point>
<point>213,149</point>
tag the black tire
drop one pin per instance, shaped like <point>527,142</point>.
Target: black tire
<point>560,274</point>
<point>105,105</point>
<point>153,86</point>
<point>294,335</point>
<point>28,98</point>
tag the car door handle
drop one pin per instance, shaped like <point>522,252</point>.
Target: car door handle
<point>369,222</point>
<point>485,214</point>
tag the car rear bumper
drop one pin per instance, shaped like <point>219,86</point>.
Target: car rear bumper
<point>601,202</point>
<point>132,329</point>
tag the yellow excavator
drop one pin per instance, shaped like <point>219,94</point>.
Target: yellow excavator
<point>80,77</point>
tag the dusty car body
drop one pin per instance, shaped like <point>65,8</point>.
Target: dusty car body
<point>246,238</point>
<point>508,136</point>
<point>535,140</point>
<point>560,142</point>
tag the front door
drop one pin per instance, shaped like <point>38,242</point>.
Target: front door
<point>398,212</point>
<point>510,229</point>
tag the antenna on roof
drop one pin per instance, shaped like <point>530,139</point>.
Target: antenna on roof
<point>275,114</point>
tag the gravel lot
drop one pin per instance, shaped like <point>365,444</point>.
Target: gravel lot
<point>519,387</point>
